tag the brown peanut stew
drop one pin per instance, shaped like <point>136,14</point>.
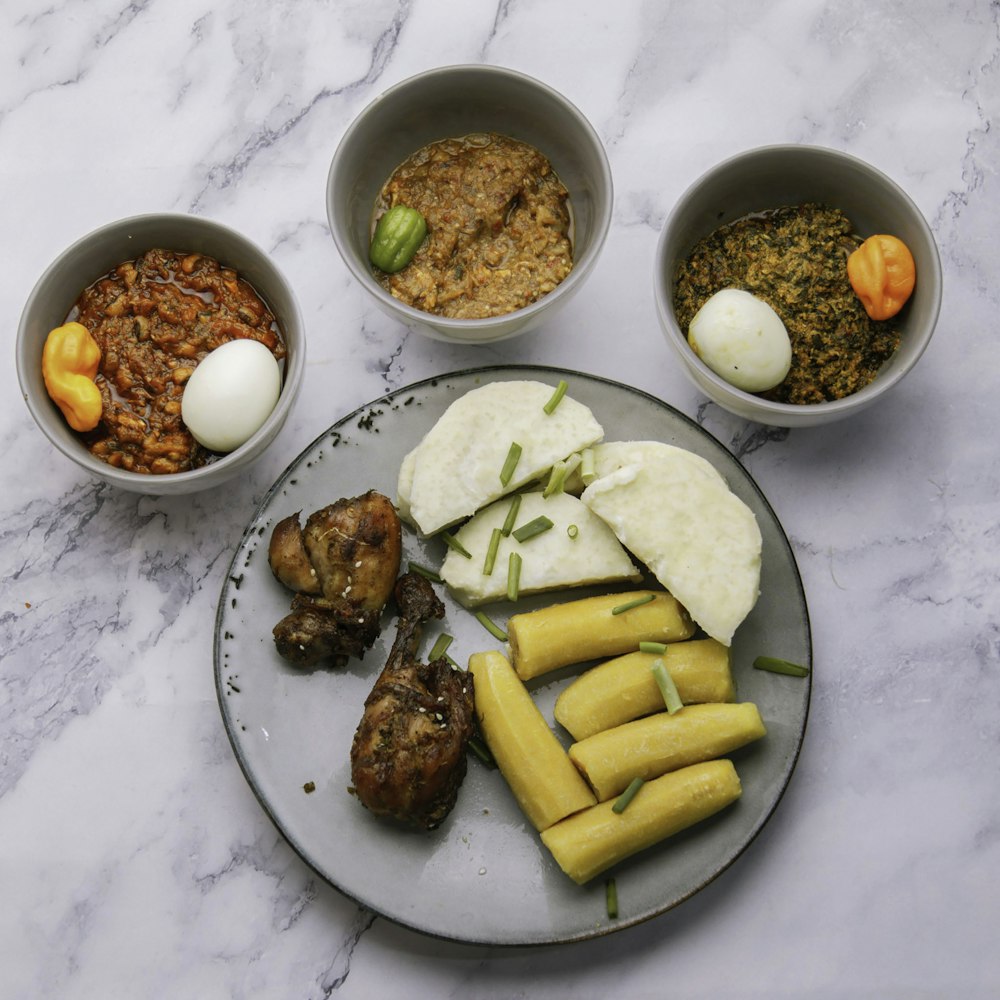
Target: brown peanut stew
<point>154,319</point>
<point>498,227</point>
<point>795,259</point>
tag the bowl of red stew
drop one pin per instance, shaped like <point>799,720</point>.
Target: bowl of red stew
<point>162,353</point>
<point>470,202</point>
<point>796,285</point>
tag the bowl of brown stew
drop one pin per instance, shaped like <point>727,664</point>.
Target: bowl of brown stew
<point>150,298</point>
<point>780,223</point>
<point>513,185</point>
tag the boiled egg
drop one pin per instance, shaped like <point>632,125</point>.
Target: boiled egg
<point>742,339</point>
<point>230,394</point>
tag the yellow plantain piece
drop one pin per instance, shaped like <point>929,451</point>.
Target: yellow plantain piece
<point>652,746</point>
<point>586,844</point>
<point>623,689</point>
<point>544,781</point>
<point>588,629</point>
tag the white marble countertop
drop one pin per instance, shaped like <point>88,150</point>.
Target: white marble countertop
<point>134,859</point>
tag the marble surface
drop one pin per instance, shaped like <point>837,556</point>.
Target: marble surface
<point>135,861</point>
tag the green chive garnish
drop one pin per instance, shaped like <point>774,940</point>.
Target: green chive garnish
<point>667,687</point>
<point>424,571</point>
<point>453,543</point>
<point>611,898</point>
<point>778,666</point>
<point>513,576</point>
<point>587,471</point>
<point>440,647</point>
<point>511,518</point>
<point>494,630</point>
<point>572,530</point>
<point>627,796</point>
<point>659,648</point>
<point>532,528</point>
<point>556,397</point>
<point>482,751</point>
<point>491,551</point>
<point>560,471</point>
<point>510,463</point>
<point>629,605</point>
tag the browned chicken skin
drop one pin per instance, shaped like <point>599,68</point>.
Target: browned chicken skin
<point>342,566</point>
<point>408,758</point>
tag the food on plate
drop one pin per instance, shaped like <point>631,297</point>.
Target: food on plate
<point>70,359</point>
<point>606,457</point>
<point>556,557</point>
<point>646,748</point>
<point>589,842</point>
<point>230,394</point>
<point>498,227</point>
<point>697,537</point>
<point>620,690</point>
<point>545,783</point>
<point>408,756</point>
<point>397,237</point>
<point>593,628</point>
<point>154,320</point>
<point>742,339</point>
<point>882,273</point>
<point>456,468</point>
<point>342,566</point>
<point>793,258</point>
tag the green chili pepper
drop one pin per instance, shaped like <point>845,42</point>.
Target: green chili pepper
<point>398,236</point>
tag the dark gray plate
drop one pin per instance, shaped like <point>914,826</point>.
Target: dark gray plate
<point>484,876</point>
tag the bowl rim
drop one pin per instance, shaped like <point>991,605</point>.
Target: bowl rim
<point>747,400</point>
<point>219,469</point>
<point>483,326</point>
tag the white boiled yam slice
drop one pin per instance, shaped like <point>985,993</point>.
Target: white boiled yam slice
<point>549,561</point>
<point>697,537</point>
<point>612,455</point>
<point>455,469</point>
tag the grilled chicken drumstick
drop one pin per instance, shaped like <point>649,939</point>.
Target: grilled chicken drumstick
<point>342,566</point>
<point>409,752</point>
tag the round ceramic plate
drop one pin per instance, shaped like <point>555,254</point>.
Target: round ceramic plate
<point>484,875</point>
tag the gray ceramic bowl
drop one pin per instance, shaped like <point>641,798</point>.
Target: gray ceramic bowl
<point>451,102</point>
<point>93,256</point>
<point>773,176</point>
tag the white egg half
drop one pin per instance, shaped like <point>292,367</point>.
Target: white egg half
<point>741,338</point>
<point>230,394</point>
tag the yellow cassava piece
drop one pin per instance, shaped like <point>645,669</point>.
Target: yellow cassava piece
<point>544,781</point>
<point>588,629</point>
<point>623,689</point>
<point>647,748</point>
<point>592,841</point>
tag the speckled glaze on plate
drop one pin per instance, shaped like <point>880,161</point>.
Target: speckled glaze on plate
<point>484,876</point>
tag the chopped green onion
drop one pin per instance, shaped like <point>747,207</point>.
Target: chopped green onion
<point>425,572</point>
<point>556,397</point>
<point>572,530</point>
<point>560,471</point>
<point>494,630</point>
<point>453,543</point>
<point>511,518</point>
<point>532,528</point>
<point>621,803</point>
<point>587,471</point>
<point>629,605</point>
<point>667,687</point>
<point>513,576</point>
<point>611,898</point>
<point>482,751</point>
<point>510,463</point>
<point>778,666</point>
<point>491,551</point>
<point>659,648</point>
<point>440,647</point>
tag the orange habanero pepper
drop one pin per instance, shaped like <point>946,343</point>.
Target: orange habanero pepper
<point>882,274</point>
<point>69,363</point>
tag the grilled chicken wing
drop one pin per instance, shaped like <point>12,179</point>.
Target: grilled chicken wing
<point>409,752</point>
<point>342,566</point>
